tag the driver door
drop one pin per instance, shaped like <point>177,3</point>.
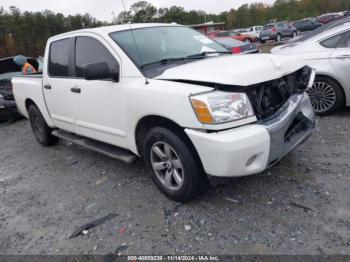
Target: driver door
<point>98,104</point>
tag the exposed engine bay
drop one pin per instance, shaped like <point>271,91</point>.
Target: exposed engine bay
<point>267,97</point>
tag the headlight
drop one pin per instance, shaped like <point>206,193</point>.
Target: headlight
<point>1,96</point>
<point>221,107</point>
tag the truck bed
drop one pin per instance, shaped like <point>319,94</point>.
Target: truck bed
<point>27,89</point>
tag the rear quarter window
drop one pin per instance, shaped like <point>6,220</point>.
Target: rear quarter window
<point>332,42</point>
<point>59,58</point>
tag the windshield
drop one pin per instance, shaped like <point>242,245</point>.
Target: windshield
<point>159,43</point>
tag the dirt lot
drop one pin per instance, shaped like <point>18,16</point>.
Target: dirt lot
<point>300,206</point>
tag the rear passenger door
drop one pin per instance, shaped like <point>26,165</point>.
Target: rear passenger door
<point>58,83</point>
<point>99,104</point>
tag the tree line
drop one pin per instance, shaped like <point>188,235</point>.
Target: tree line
<point>27,32</point>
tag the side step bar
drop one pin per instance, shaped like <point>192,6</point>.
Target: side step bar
<point>99,147</point>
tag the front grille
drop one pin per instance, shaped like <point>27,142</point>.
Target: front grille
<point>268,97</point>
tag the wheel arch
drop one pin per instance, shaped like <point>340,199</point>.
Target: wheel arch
<point>28,102</point>
<point>148,122</point>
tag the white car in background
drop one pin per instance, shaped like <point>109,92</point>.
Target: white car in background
<point>329,53</point>
<point>254,30</point>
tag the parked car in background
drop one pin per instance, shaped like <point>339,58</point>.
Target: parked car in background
<point>327,18</point>
<point>9,69</point>
<point>182,102</point>
<point>254,30</point>
<point>319,30</point>
<point>238,47</point>
<point>305,25</point>
<point>277,31</point>
<point>329,53</point>
<point>232,34</point>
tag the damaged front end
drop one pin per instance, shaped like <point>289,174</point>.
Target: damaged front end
<point>269,97</point>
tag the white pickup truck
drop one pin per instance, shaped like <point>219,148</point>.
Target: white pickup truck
<point>170,95</point>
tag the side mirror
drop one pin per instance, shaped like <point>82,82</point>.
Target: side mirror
<point>99,71</point>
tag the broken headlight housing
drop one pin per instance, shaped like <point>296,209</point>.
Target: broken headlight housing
<point>221,107</point>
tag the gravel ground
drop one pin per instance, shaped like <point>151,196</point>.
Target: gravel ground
<point>300,206</point>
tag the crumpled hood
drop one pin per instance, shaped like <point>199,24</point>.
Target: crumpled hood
<point>241,70</point>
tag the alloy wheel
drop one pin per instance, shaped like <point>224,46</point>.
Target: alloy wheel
<point>322,97</point>
<point>167,166</point>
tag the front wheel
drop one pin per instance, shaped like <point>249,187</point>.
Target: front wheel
<point>41,130</point>
<point>176,170</point>
<point>326,96</point>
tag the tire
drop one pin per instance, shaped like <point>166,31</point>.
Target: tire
<point>169,155</point>
<point>262,41</point>
<point>41,130</point>
<point>247,40</point>
<point>278,38</point>
<point>326,96</point>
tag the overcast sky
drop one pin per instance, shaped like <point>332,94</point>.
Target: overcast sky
<point>102,9</point>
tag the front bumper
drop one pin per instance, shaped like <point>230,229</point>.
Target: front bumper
<point>252,148</point>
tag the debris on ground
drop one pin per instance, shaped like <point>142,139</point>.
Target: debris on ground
<point>101,181</point>
<point>301,206</point>
<point>122,230</point>
<point>121,248</point>
<point>84,228</point>
<point>188,227</point>
<point>232,200</point>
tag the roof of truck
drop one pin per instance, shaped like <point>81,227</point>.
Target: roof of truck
<point>115,28</point>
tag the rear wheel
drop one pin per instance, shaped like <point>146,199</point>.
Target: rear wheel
<point>326,96</point>
<point>41,130</point>
<point>176,170</point>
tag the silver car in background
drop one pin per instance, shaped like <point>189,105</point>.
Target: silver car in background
<point>277,31</point>
<point>329,53</point>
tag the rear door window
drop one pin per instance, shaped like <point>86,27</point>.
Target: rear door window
<point>345,42</point>
<point>59,58</point>
<point>333,41</point>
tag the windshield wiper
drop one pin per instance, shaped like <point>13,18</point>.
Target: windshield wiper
<point>174,59</point>
<point>203,54</point>
<point>163,61</point>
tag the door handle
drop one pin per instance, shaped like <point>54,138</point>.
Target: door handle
<point>76,90</point>
<point>47,87</point>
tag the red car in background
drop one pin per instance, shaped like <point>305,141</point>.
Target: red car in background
<point>221,34</point>
<point>327,18</point>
